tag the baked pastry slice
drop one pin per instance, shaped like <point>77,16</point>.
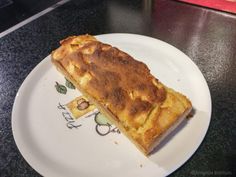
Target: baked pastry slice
<point>123,89</point>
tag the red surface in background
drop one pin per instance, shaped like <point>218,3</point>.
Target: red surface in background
<point>224,5</point>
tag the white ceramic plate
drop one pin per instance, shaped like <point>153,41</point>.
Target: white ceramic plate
<point>56,145</point>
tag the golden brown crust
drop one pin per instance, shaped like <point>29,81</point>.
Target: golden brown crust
<point>122,88</point>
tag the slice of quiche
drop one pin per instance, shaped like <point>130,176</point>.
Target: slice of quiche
<point>123,89</point>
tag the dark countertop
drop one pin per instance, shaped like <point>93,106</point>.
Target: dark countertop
<point>13,12</point>
<point>208,37</point>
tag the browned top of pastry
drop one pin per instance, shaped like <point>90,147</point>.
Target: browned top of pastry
<point>123,85</point>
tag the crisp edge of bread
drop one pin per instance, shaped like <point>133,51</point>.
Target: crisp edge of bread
<point>112,118</point>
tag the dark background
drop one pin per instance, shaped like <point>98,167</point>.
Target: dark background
<point>208,37</point>
<point>15,11</point>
